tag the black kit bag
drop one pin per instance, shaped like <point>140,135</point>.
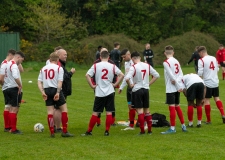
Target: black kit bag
<point>159,120</point>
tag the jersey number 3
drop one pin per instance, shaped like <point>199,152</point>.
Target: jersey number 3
<point>177,68</point>
<point>49,74</point>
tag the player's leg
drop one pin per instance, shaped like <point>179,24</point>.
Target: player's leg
<point>114,113</point>
<point>15,99</point>
<point>170,100</point>
<point>200,92</point>
<point>148,116</point>
<point>191,96</point>
<point>199,111</point>
<point>208,95</point>
<point>6,113</point>
<point>57,116</point>
<point>223,70</point>
<point>99,120</point>
<point>97,108</point>
<point>50,111</point>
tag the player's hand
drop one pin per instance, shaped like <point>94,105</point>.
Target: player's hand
<point>19,90</point>
<point>119,91</point>
<point>129,106</point>
<point>93,86</point>
<point>132,85</point>
<point>73,70</point>
<point>45,97</point>
<point>202,103</point>
<point>56,97</point>
<point>223,62</point>
<point>180,90</point>
<point>173,82</point>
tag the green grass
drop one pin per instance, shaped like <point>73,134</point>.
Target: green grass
<point>207,142</point>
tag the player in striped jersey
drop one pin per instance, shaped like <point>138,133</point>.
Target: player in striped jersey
<point>104,90</point>
<point>173,75</point>
<point>50,82</point>
<point>208,70</point>
<point>194,89</point>
<point>139,73</point>
<point>125,54</point>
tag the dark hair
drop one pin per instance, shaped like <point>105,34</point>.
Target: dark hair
<point>20,53</point>
<point>104,54</point>
<point>124,51</point>
<point>99,47</point>
<point>58,48</point>
<point>196,47</point>
<point>221,45</point>
<point>11,51</point>
<point>135,54</point>
<point>116,44</point>
<point>169,47</point>
<point>201,48</point>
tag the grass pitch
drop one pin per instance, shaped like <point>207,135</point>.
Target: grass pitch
<point>207,142</point>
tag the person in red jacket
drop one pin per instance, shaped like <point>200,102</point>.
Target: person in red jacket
<point>220,56</point>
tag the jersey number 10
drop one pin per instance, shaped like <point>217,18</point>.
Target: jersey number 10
<point>49,74</point>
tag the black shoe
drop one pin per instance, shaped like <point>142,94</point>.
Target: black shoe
<point>67,134</point>
<point>87,134</point>
<point>52,135</point>
<point>199,126</point>
<point>98,125</point>
<point>58,130</point>
<point>149,132</point>
<point>223,118</point>
<point>7,129</point>
<point>141,133</point>
<point>190,126</point>
<point>16,132</point>
<point>106,133</point>
<point>114,124</point>
<point>137,124</point>
<point>208,122</point>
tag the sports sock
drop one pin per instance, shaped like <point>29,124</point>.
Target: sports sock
<point>6,119</point>
<point>148,119</point>
<point>207,112</point>
<point>108,122</point>
<point>64,120</point>
<point>141,120</point>
<point>50,123</point>
<point>172,115</point>
<point>190,113</point>
<point>113,117</point>
<point>219,105</point>
<point>190,123</point>
<point>223,74</point>
<point>199,112</point>
<point>99,119</point>
<point>13,121</point>
<point>92,122</point>
<point>132,113</point>
<point>180,114</point>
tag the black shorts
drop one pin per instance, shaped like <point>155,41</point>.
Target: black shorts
<point>195,91</point>
<point>129,93</point>
<point>222,64</point>
<point>12,97</point>
<point>212,92</point>
<point>173,98</point>
<point>104,102</point>
<point>50,92</point>
<point>140,98</point>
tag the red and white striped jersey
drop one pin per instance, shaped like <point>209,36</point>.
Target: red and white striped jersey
<point>50,75</point>
<point>127,68</point>
<point>104,73</point>
<point>11,73</point>
<point>140,74</point>
<point>190,79</point>
<point>172,72</point>
<point>208,70</point>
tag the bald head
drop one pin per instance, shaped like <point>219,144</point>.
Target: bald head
<point>62,54</point>
<point>104,49</point>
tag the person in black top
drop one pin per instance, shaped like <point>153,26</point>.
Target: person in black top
<point>97,55</point>
<point>148,54</point>
<point>195,56</point>
<point>115,54</point>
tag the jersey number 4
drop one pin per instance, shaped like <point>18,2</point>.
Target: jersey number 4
<point>49,74</point>
<point>211,66</point>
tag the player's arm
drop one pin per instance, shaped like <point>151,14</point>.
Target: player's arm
<point>59,83</point>
<point>200,68</point>
<point>88,76</point>
<point>192,57</point>
<point>2,76</point>
<point>129,76</point>
<point>20,68</point>
<point>169,72</point>
<point>40,86</point>
<point>155,75</point>
<point>16,77</point>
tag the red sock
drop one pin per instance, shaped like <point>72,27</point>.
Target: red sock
<point>13,121</point>
<point>132,113</point>
<point>64,120</point>
<point>190,113</point>
<point>98,120</point>
<point>50,123</point>
<point>180,114</point>
<point>223,74</point>
<point>92,122</point>
<point>141,120</point>
<point>6,119</point>
<point>207,112</point>
<point>108,122</point>
<point>148,119</point>
<point>172,115</point>
<point>219,105</point>
<point>199,112</point>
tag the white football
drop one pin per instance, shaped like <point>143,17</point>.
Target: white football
<point>38,127</point>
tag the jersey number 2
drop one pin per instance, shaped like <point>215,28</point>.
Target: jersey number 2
<point>49,74</point>
<point>104,76</point>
